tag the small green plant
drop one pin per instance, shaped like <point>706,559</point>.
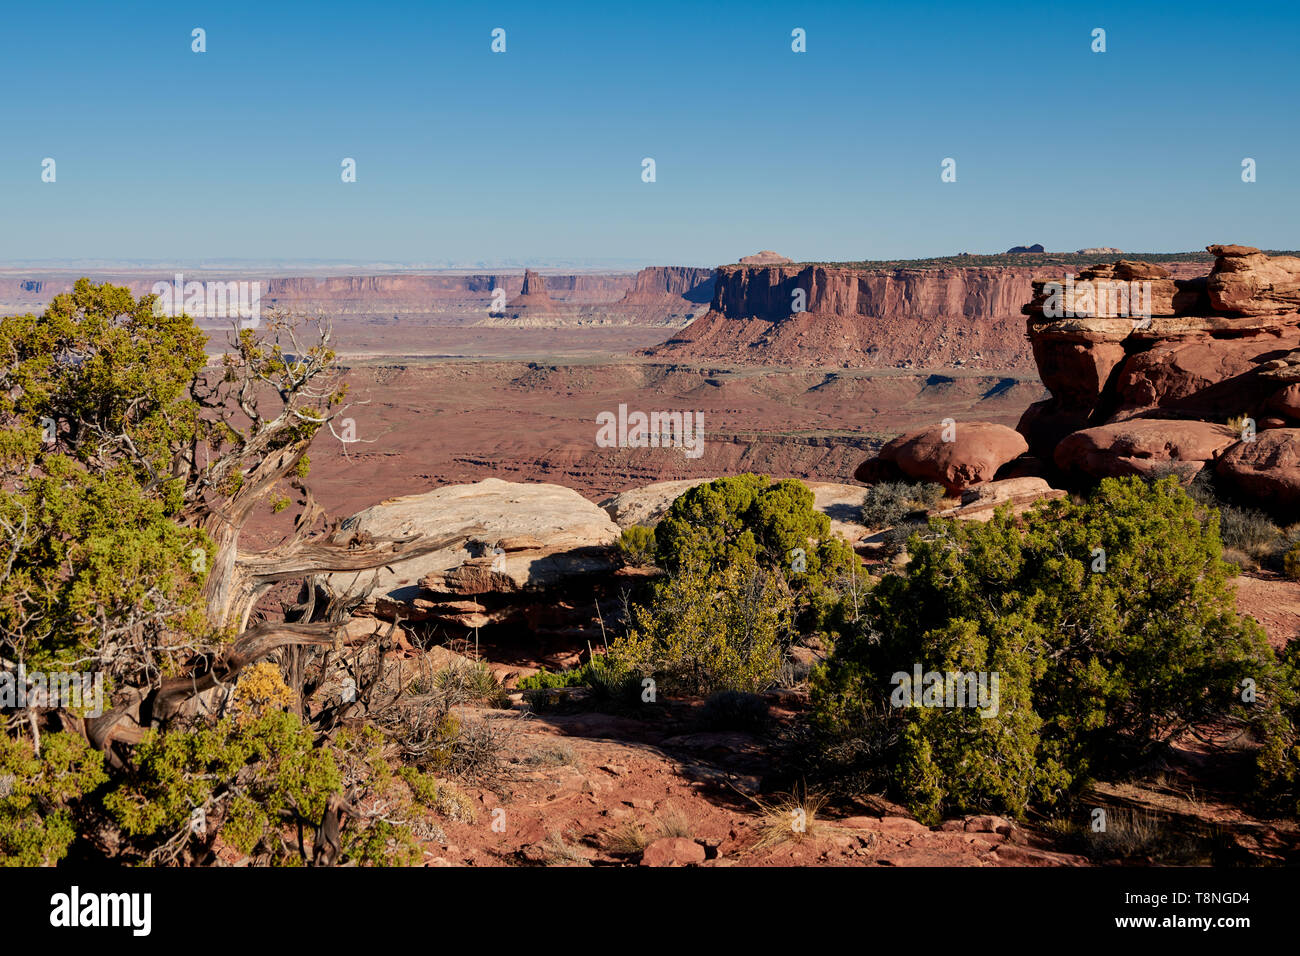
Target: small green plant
<point>39,796</point>
<point>637,546</point>
<point>249,778</point>
<point>1291,563</point>
<point>707,631</point>
<point>468,682</point>
<point>889,502</point>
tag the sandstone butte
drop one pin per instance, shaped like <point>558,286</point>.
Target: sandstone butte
<point>1211,377</point>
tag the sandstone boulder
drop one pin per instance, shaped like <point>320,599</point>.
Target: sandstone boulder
<point>555,534</point>
<point>1267,469</point>
<point>1204,377</point>
<point>1287,401</point>
<point>1142,446</point>
<point>1245,281</point>
<point>956,455</point>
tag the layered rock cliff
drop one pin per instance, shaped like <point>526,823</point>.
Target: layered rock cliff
<point>866,317</point>
<point>651,286</point>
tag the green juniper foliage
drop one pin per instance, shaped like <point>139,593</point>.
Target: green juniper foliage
<point>1098,664</point>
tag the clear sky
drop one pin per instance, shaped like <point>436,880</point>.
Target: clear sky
<point>535,154</point>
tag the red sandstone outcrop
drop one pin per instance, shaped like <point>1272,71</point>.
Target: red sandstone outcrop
<point>656,296</point>
<point>656,284</point>
<point>1133,393</point>
<point>1247,282</point>
<point>956,455</point>
<point>1143,446</point>
<point>1267,469</point>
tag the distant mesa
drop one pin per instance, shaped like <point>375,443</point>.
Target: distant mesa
<point>1036,247</point>
<point>1101,251</point>
<point>766,257</point>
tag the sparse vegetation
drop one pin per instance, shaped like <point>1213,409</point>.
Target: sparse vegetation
<point>735,710</point>
<point>1096,669</point>
<point>637,546</point>
<point>889,502</point>
<point>790,816</point>
<point>704,632</point>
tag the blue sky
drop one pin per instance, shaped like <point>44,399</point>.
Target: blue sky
<point>536,154</point>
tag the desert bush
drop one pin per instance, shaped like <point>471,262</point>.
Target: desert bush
<point>1278,760</point>
<point>1097,666</point>
<point>467,682</point>
<point>40,797</point>
<point>1249,531</point>
<point>888,502</point>
<point>897,537</point>
<point>750,518</point>
<point>705,631</point>
<point>735,710</point>
<point>1128,834</point>
<point>546,680</point>
<point>1291,563</point>
<point>637,546</point>
<point>250,778</point>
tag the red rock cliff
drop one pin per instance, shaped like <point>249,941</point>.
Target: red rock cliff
<point>865,318</point>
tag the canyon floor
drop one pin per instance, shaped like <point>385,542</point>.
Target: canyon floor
<point>522,405</point>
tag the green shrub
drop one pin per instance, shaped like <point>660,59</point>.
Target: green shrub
<point>545,680</point>
<point>1278,760</point>
<point>1249,531</point>
<point>705,631</point>
<point>888,502</point>
<point>637,546</point>
<point>1096,668</point>
<point>268,769</point>
<point>735,710</point>
<point>774,524</point>
<point>39,796</point>
<point>1291,563</point>
<point>468,682</point>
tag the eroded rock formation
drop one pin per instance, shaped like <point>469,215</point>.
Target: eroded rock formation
<point>1155,388</point>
